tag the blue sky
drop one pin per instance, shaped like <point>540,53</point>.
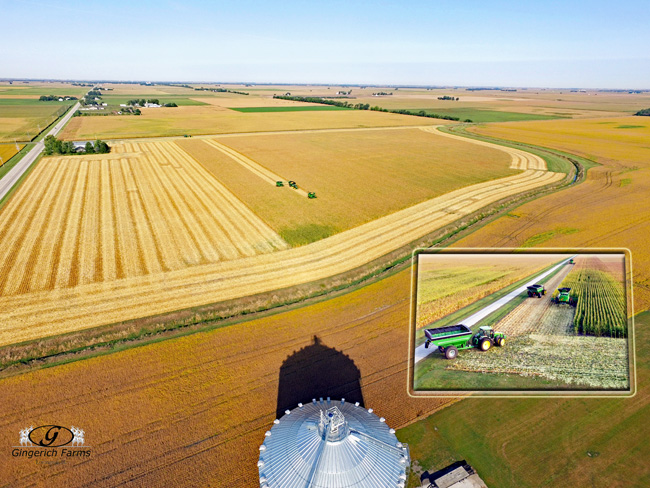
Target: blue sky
<point>593,44</point>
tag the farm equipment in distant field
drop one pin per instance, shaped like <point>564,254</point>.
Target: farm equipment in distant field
<point>293,185</point>
<point>187,135</point>
<point>536,291</point>
<point>564,296</point>
<point>571,261</point>
<point>311,194</point>
<point>279,183</point>
<point>454,338</point>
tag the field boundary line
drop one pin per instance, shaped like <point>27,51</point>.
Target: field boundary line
<point>522,160</point>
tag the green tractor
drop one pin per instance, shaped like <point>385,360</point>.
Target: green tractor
<point>449,340</point>
<point>564,296</point>
<point>311,194</point>
<point>536,291</point>
<point>279,183</point>
<point>293,184</point>
<point>571,261</point>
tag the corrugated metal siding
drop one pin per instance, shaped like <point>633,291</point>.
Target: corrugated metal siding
<point>294,451</point>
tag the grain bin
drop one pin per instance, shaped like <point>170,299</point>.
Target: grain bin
<point>332,444</point>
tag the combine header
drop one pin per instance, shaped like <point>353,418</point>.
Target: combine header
<point>564,296</point>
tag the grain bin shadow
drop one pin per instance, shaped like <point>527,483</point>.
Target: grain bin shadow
<point>317,371</point>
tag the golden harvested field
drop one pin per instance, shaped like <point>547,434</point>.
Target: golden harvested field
<point>41,313</point>
<point>8,150</point>
<point>198,406</point>
<point>620,141</point>
<point>144,209</point>
<point>358,176</point>
<point>212,119</point>
<point>607,210</point>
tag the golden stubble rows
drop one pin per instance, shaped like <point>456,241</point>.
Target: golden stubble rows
<point>151,280</point>
<point>146,209</point>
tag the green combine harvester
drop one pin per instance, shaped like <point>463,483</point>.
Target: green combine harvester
<point>311,194</point>
<point>564,296</point>
<point>293,184</point>
<point>454,338</point>
<point>279,183</point>
<point>571,261</point>
<point>536,291</point>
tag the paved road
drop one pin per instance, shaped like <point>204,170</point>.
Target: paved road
<point>421,352</point>
<point>10,179</point>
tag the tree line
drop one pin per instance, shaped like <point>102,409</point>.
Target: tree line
<point>220,90</point>
<point>56,146</point>
<point>54,98</point>
<point>141,102</point>
<point>366,106</point>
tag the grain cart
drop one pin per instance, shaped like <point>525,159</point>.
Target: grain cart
<point>564,296</point>
<point>279,183</point>
<point>453,338</point>
<point>536,291</point>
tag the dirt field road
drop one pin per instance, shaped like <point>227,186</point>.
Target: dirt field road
<point>531,315</point>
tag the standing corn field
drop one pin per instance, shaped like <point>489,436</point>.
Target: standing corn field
<point>600,300</point>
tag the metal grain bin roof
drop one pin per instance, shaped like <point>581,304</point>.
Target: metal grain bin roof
<point>332,444</point>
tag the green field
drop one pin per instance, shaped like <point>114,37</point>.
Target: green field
<point>481,116</point>
<point>290,108</point>
<point>21,121</point>
<point>42,89</point>
<point>544,442</point>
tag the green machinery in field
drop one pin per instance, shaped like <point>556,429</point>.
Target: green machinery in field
<point>536,291</point>
<point>571,261</point>
<point>279,183</point>
<point>293,184</point>
<point>311,194</point>
<point>564,296</point>
<point>454,338</point>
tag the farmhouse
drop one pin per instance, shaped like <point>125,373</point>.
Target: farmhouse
<point>457,475</point>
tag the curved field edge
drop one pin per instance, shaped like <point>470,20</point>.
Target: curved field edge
<point>105,338</point>
<point>556,160</point>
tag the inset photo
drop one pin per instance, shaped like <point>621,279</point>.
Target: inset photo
<point>514,322</point>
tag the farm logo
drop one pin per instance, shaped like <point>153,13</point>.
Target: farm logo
<point>51,441</point>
